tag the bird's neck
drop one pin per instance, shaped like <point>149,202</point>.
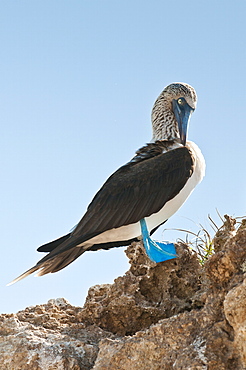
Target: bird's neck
<point>165,130</point>
<point>164,124</point>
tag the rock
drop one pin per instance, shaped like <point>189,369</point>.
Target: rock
<point>48,336</point>
<point>235,312</point>
<point>172,315</point>
<point>147,293</point>
<point>227,230</point>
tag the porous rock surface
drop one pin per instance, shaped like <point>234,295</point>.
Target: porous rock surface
<point>176,314</point>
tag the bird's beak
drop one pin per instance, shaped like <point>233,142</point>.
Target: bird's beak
<point>182,114</point>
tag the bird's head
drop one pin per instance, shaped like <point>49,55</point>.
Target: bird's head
<point>172,111</point>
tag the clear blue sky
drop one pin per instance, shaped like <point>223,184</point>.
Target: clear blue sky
<point>77,83</point>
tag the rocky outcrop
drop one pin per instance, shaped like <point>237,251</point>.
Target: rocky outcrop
<point>48,336</point>
<point>178,314</point>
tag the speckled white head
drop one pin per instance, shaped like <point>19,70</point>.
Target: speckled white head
<point>164,123</point>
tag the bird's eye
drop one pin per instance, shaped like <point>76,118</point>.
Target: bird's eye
<point>180,101</point>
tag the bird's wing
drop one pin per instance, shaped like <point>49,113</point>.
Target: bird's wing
<point>48,247</point>
<point>135,191</point>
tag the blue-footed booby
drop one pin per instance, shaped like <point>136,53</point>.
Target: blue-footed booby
<point>142,194</point>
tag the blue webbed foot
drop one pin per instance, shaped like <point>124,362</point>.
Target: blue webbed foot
<point>156,251</point>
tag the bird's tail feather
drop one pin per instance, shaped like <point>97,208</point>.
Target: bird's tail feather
<point>25,274</point>
<point>53,264</point>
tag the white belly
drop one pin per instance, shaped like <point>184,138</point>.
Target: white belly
<point>133,230</point>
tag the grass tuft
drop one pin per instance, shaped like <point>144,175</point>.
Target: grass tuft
<point>202,241</point>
